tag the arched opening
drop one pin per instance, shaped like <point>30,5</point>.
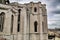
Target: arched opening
<point>18,28</point>
<point>2,15</point>
<point>35,9</point>
<point>35,26</point>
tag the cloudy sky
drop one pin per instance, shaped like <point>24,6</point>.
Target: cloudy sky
<point>53,11</point>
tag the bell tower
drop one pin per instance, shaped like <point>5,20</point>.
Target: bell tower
<point>37,21</point>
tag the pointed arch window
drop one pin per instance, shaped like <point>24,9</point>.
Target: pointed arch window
<point>35,26</point>
<point>2,15</point>
<point>35,9</point>
<point>18,28</point>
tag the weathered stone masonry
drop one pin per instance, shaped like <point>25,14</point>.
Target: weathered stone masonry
<point>24,21</point>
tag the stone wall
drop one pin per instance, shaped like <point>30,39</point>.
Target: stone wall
<point>27,19</point>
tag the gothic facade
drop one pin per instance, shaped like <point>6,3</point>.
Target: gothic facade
<point>23,21</point>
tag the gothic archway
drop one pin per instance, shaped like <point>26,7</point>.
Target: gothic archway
<point>35,26</point>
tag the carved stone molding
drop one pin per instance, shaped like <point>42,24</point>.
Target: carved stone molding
<point>3,8</point>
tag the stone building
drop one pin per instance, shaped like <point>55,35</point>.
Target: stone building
<point>23,21</point>
<point>53,34</point>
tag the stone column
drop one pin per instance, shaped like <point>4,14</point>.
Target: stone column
<point>7,23</point>
<point>15,24</point>
<point>25,25</point>
<point>41,32</point>
<point>28,24</point>
<point>14,34</point>
<point>25,28</point>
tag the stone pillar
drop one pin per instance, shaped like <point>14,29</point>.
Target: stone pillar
<point>14,34</point>
<point>41,32</point>
<point>25,25</point>
<point>7,23</point>
<point>28,26</point>
<point>15,24</point>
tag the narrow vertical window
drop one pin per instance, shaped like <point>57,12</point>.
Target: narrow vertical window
<point>43,26</point>
<point>0,27</point>
<point>2,15</point>
<point>12,18</point>
<point>35,9</point>
<point>18,28</point>
<point>35,26</point>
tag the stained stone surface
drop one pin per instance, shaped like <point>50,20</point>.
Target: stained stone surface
<point>27,19</point>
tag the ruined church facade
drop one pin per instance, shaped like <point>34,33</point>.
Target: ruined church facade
<point>23,21</point>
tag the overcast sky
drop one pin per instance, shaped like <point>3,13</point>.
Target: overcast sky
<point>53,11</point>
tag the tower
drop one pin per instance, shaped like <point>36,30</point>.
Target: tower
<point>37,21</point>
<point>23,21</point>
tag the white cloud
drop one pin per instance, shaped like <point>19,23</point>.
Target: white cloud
<point>51,16</point>
<point>58,7</point>
<point>54,21</point>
